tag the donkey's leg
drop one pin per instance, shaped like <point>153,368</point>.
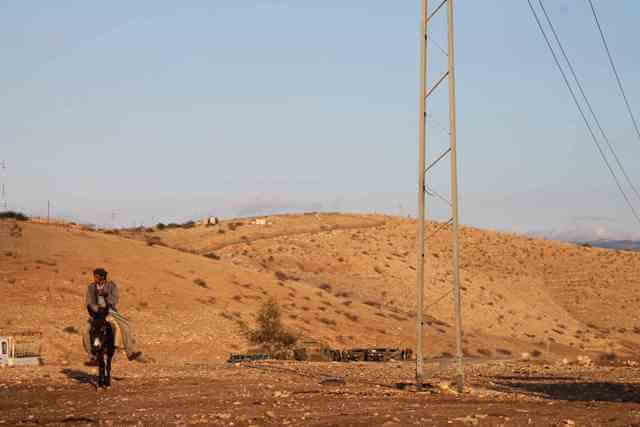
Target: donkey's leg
<point>107,381</point>
<point>101,369</point>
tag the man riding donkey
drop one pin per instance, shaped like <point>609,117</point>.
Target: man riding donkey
<point>103,295</point>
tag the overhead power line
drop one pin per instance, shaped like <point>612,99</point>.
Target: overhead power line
<point>586,100</point>
<point>584,117</point>
<point>615,71</point>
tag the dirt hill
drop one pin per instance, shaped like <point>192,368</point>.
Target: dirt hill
<point>346,280</point>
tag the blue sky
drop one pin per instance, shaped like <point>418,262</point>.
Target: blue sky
<point>138,112</point>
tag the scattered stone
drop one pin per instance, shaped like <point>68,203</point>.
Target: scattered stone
<point>469,419</point>
<point>278,394</point>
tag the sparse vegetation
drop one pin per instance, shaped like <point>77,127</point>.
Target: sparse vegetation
<point>18,216</point>
<point>607,359</point>
<point>153,240</point>
<point>484,352</point>
<point>270,333</point>
<point>281,276</point>
<point>201,283</point>
<point>351,316</point>
<point>373,304</point>
<point>233,225</point>
<point>212,255</point>
<point>325,287</point>
<point>71,330</point>
<point>327,321</point>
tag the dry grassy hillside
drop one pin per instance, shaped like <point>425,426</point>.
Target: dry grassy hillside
<point>347,280</point>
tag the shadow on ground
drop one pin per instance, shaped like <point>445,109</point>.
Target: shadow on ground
<point>564,388</point>
<point>81,377</point>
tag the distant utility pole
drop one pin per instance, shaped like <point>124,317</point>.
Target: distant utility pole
<point>425,17</point>
<point>3,187</point>
<point>48,211</point>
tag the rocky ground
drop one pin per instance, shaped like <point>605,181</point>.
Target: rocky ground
<point>507,393</point>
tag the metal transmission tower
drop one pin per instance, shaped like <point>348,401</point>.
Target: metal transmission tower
<point>425,92</point>
<point>3,187</point>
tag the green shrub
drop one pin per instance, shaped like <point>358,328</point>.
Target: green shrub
<point>270,332</point>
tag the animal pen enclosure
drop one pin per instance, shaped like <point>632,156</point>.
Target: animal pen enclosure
<point>20,348</point>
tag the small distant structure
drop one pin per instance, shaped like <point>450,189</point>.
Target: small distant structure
<point>260,221</point>
<point>210,221</point>
<point>247,357</point>
<point>21,349</point>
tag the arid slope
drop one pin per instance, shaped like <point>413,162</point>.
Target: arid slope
<point>347,280</point>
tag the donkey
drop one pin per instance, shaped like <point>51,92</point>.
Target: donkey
<point>103,346</point>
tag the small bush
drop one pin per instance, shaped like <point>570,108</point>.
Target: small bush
<point>188,224</point>
<point>270,332</point>
<point>200,283</point>
<point>153,240</point>
<point>212,255</point>
<point>233,225</point>
<point>160,226</point>
<point>326,321</point>
<point>373,304</point>
<point>351,316</point>
<point>71,330</point>
<point>484,352</point>
<point>19,216</point>
<point>325,287</point>
<point>606,359</point>
<point>281,276</point>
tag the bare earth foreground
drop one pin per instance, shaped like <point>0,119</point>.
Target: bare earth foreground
<point>322,394</point>
<point>552,332</point>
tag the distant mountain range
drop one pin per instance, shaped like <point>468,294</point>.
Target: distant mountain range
<point>593,234</point>
<point>629,245</point>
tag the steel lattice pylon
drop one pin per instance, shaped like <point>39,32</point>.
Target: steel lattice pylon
<point>424,94</point>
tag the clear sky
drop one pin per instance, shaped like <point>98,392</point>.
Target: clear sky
<point>147,111</point>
